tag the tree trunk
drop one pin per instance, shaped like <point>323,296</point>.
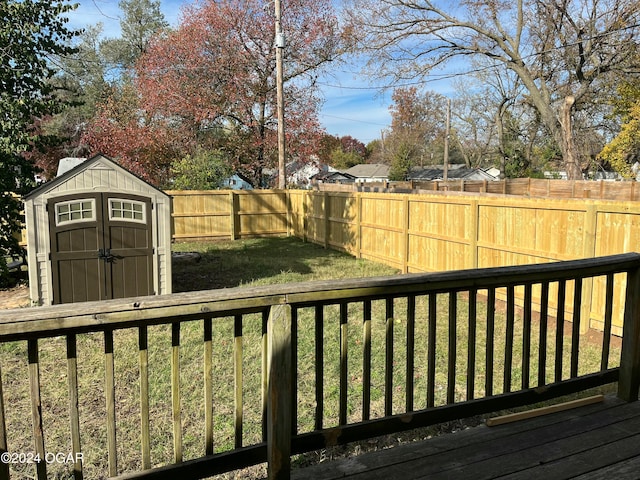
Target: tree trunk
<point>568,145</point>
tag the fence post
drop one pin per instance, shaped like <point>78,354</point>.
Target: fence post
<point>359,225</point>
<point>327,218</point>
<point>629,380</point>
<point>235,217</point>
<point>589,245</point>
<point>279,393</point>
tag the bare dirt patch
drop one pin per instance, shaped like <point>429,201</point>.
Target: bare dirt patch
<point>16,297</point>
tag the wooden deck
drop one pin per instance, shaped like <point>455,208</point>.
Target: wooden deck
<point>600,441</point>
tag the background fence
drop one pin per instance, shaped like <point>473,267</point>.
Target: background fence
<point>525,187</point>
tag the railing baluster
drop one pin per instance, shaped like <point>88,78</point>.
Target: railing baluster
<point>4,466</point>
<point>237,380</point>
<point>280,383</point>
<point>36,407</point>
<point>388,362</point>
<point>608,314</point>
<point>143,347</point>
<point>344,357</point>
<point>526,338</point>
<point>208,385</point>
<point>544,323</point>
<point>74,414</point>
<point>471,345</point>
<point>110,398</point>
<point>175,392</point>
<point>411,330</point>
<point>319,343</point>
<point>562,286</point>
<point>265,371</point>
<point>452,354</point>
<point>431,351</point>
<point>508,349</point>
<point>294,370</point>
<point>366,360</point>
<point>629,381</point>
<point>491,319</point>
<point>575,331</point>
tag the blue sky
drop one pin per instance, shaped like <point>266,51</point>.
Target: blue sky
<point>352,106</point>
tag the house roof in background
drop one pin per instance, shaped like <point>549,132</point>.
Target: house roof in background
<point>454,172</point>
<point>369,170</point>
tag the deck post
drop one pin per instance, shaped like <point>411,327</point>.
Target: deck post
<point>279,393</point>
<point>629,380</point>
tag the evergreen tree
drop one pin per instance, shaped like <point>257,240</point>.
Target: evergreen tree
<point>31,32</point>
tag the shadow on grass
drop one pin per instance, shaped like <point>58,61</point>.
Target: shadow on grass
<point>258,262</point>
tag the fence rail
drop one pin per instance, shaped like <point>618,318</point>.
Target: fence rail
<point>316,363</point>
<point>525,187</point>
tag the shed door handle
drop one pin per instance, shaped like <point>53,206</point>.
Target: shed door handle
<point>105,254</point>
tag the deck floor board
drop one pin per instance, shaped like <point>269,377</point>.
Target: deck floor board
<point>591,442</point>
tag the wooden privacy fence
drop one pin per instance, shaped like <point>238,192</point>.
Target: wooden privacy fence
<point>422,233</point>
<point>228,214</point>
<point>426,232</point>
<point>255,375</point>
<point>525,187</point>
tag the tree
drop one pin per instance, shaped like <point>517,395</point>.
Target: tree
<point>98,67</point>
<point>624,148</point>
<point>141,20</point>
<point>417,128</point>
<point>141,143</point>
<point>214,76</point>
<point>562,51</point>
<point>401,162</point>
<point>83,83</point>
<point>205,170</point>
<point>31,31</point>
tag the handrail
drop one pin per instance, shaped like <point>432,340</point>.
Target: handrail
<point>121,313</point>
<point>285,309</point>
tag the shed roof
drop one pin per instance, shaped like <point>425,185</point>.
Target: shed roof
<point>85,165</point>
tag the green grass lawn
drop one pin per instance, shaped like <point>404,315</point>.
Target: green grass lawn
<point>231,264</point>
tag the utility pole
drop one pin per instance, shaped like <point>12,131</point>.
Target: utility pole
<point>445,174</point>
<point>280,44</point>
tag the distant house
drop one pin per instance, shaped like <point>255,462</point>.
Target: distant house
<point>454,172</point>
<point>334,176</point>
<point>237,181</point>
<point>369,172</point>
<point>302,174</point>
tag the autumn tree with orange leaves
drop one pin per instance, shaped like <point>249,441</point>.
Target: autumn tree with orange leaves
<point>210,83</point>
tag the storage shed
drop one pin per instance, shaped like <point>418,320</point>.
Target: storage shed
<point>97,232</point>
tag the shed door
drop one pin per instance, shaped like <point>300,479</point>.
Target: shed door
<point>101,247</point>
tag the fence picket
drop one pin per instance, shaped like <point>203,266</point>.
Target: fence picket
<point>175,392</point>
<point>110,399</point>
<point>145,437</point>
<point>471,344</point>
<point>208,385</point>
<point>319,364</point>
<point>508,349</point>
<point>237,380</point>
<point>453,348</point>
<point>74,414</point>
<point>366,360</point>
<point>544,327</point>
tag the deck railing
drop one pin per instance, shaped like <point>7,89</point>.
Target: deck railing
<point>206,382</point>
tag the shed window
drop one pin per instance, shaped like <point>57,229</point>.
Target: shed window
<point>126,210</point>
<point>75,211</point>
